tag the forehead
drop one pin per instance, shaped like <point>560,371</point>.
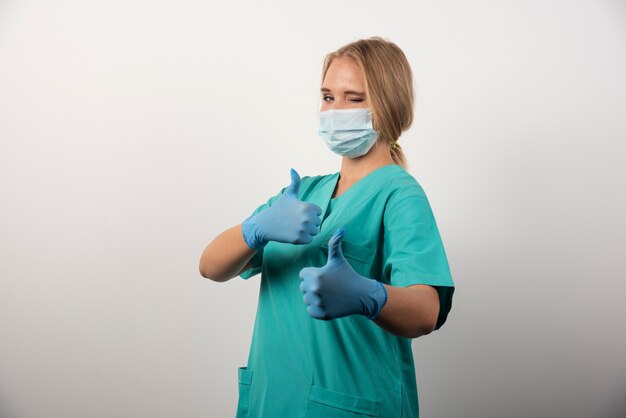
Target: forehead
<point>343,73</point>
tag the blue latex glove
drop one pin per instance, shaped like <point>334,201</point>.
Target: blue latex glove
<point>336,290</point>
<point>288,220</point>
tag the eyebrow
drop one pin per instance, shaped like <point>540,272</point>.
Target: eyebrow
<point>325,90</point>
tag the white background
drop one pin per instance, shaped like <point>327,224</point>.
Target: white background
<point>133,132</point>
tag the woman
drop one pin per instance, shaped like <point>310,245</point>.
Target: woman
<point>352,264</point>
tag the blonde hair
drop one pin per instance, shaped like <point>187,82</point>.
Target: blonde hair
<point>389,84</point>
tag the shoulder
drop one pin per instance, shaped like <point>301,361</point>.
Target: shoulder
<point>406,199</point>
<point>310,183</point>
<point>316,179</point>
<point>402,185</point>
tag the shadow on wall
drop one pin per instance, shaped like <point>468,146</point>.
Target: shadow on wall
<point>616,404</point>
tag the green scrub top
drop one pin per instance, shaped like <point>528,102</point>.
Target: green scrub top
<point>347,367</point>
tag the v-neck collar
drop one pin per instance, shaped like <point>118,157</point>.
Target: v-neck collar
<point>372,176</point>
<point>361,190</point>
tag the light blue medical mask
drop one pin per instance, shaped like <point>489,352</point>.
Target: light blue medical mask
<point>348,132</point>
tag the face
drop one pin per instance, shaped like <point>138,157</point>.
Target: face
<point>344,86</point>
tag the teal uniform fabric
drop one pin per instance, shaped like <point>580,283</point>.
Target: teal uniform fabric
<point>348,367</point>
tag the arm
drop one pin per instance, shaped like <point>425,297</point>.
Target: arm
<point>411,311</point>
<point>226,256</point>
<point>413,249</point>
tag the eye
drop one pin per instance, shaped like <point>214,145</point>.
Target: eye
<point>356,100</point>
<point>327,98</point>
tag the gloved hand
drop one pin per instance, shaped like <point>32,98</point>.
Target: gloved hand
<point>288,220</point>
<point>336,290</point>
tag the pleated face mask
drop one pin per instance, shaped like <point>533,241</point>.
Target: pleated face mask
<point>348,132</point>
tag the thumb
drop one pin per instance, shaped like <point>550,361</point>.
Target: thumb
<point>294,187</point>
<point>334,246</point>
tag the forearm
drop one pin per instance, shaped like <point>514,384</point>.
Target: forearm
<point>410,311</point>
<point>225,256</point>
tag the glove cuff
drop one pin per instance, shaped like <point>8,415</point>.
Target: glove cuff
<point>249,229</point>
<point>378,296</point>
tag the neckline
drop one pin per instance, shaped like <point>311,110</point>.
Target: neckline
<point>359,182</point>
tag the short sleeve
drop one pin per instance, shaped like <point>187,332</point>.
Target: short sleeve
<point>257,258</point>
<point>413,251</point>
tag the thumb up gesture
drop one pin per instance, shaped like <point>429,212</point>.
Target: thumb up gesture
<point>336,290</point>
<point>288,220</point>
